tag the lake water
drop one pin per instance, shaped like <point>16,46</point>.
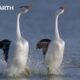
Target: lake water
<point>39,24</point>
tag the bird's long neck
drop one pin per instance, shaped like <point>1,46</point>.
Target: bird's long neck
<point>56,27</point>
<point>18,26</point>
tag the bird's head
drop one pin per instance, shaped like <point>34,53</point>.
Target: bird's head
<point>26,8</point>
<point>60,10</point>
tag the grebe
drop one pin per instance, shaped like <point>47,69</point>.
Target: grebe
<point>19,49</point>
<point>55,52</point>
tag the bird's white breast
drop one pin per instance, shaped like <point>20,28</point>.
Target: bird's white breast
<point>54,55</point>
<point>18,56</point>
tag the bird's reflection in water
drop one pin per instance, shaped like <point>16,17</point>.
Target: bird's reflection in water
<point>58,76</point>
<point>54,77</point>
<point>13,78</point>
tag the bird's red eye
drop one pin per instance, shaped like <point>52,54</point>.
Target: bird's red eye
<point>62,7</point>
